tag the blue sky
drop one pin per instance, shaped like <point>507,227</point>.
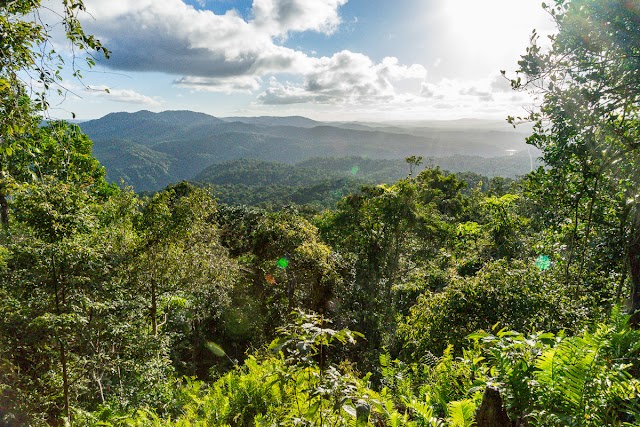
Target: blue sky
<point>324,59</point>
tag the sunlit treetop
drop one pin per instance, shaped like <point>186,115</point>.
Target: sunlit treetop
<point>597,47</point>
<point>588,122</point>
<point>27,54</point>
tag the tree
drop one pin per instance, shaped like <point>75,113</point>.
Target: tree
<point>27,59</point>
<point>285,266</point>
<point>588,127</point>
<point>26,49</point>
<point>178,250</point>
<point>513,294</point>
<point>413,162</point>
<point>389,234</point>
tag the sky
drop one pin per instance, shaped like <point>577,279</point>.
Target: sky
<point>339,60</point>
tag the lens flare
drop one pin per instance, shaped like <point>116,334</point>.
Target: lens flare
<point>543,262</point>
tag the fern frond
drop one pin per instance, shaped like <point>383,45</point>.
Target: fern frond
<point>461,413</point>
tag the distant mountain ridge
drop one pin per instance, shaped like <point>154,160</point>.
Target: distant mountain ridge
<point>295,121</point>
<point>150,150</point>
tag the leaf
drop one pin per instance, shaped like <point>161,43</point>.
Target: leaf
<point>385,360</point>
<point>313,409</point>
<point>216,349</point>
<point>461,413</point>
<point>349,410</point>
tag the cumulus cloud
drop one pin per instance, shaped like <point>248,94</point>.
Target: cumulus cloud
<point>172,37</point>
<point>483,95</point>
<point>227,53</point>
<point>127,96</point>
<point>455,97</point>
<point>344,77</point>
<point>279,17</point>
<point>244,84</point>
<point>501,84</point>
<point>430,91</point>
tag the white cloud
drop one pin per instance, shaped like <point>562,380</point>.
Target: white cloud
<point>345,77</point>
<point>429,90</point>
<point>442,99</point>
<point>122,95</point>
<point>483,95</point>
<point>241,84</point>
<point>279,17</point>
<point>501,84</point>
<point>226,53</point>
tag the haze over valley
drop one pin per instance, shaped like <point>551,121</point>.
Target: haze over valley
<point>150,150</point>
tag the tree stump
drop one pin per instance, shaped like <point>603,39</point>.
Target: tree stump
<point>491,412</point>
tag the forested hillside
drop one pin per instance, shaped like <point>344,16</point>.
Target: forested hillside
<point>430,299</point>
<point>319,183</point>
<point>151,150</point>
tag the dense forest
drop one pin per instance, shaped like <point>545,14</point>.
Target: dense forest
<point>435,300</point>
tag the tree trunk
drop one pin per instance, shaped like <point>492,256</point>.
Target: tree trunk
<point>634,273</point>
<point>4,210</point>
<point>4,204</point>
<point>154,310</point>
<point>491,411</point>
<point>65,381</point>
<point>291,293</point>
<point>63,350</point>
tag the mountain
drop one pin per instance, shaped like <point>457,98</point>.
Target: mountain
<point>135,164</point>
<point>295,121</point>
<point>145,127</point>
<point>322,181</point>
<point>150,150</point>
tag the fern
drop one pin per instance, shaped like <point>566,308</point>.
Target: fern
<point>580,382</point>
<point>424,413</point>
<point>566,371</point>
<point>461,413</point>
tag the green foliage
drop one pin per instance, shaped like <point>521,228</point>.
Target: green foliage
<point>68,313</point>
<point>387,232</point>
<point>287,388</point>
<point>587,128</point>
<point>306,338</point>
<point>111,304</point>
<point>461,413</point>
<point>270,287</point>
<point>514,295</point>
<point>558,381</point>
<point>505,226</point>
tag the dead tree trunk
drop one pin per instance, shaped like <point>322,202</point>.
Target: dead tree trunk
<point>491,412</point>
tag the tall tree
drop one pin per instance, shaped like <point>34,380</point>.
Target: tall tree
<point>53,258</point>
<point>28,59</point>
<point>588,125</point>
<point>387,233</point>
